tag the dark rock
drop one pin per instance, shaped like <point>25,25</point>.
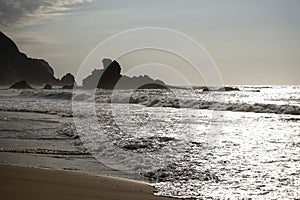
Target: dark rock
<point>67,79</point>
<point>15,66</point>
<point>135,146</point>
<point>229,89</point>
<point>222,89</point>
<point>110,78</point>
<point>91,81</point>
<point>20,85</point>
<point>165,139</point>
<point>76,137</point>
<point>106,62</point>
<point>291,119</point>
<point>104,78</point>
<point>67,87</point>
<point>253,90</point>
<point>153,86</point>
<point>205,89</point>
<point>140,82</point>
<point>47,87</point>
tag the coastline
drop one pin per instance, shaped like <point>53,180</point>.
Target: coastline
<point>43,176</point>
<point>33,183</point>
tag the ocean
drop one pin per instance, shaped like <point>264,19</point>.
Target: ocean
<point>186,142</point>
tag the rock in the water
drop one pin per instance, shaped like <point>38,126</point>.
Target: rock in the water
<point>153,86</point>
<point>47,87</point>
<point>67,79</point>
<point>111,78</point>
<point>222,89</point>
<point>229,89</point>
<point>205,89</point>
<point>67,87</point>
<point>20,85</point>
<point>111,75</point>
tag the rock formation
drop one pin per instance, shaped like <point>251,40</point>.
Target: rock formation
<point>110,78</point>
<point>140,82</point>
<point>222,89</point>
<point>67,87</point>
<point>16,66</point>
<point>110,75</point>
<point>47,87</point>
<point>20,85</point>
<point>67,79</point>
<point>153,86</point>
<point>105,78</point>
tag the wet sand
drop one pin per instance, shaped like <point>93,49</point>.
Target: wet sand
<point>31,183</point>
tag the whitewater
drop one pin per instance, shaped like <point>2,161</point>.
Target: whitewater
<point>186,142</point>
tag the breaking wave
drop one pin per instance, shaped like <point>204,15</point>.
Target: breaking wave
<point>44,151</point>
<point>211,105</point>
<point>65,95</point>
<point>158,98</point>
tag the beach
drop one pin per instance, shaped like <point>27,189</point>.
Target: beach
<point>31,183</point>
<point>39,175</point>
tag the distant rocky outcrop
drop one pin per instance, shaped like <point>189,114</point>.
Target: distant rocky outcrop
<point>67,87</point>
<point>227,88</point>
<point>20,85</point>
<point>153,86</point>
<point>16,66</point>
<point>140,82</point>
<point>105,78</point>
<point>222,89</point>
<point>110,77</point>
<point>47,87</point>
<point>67,79</point>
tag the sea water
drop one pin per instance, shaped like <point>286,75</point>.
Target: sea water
<point>187,142</point>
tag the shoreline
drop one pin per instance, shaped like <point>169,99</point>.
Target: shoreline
<point>22,151</point>
<point>34,183</point>
<point>27,175</point>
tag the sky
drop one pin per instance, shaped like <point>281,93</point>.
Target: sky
<point>251,42</point>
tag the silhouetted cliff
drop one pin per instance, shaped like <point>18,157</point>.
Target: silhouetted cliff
<point>110,78</point>
<point>16,66</point>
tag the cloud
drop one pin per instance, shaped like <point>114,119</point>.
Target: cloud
<point>31,38</point>
<point>28,12</point>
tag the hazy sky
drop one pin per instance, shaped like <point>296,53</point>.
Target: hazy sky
<point>252,42</point>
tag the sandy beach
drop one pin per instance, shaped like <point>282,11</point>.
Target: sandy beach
<point>31,183</point>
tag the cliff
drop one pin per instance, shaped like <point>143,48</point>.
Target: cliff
<point>17,66</point>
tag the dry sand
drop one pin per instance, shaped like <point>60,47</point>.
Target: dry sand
<point>29,183</point>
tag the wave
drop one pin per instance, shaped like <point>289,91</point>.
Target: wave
<point>44,151</point>
<point>30,110</point>
<point>180,171</point>
<point>140,145</point>
<point>58,95</point>
<point>212,105</point>
<point>66,95</point>
<point>154,98</point>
